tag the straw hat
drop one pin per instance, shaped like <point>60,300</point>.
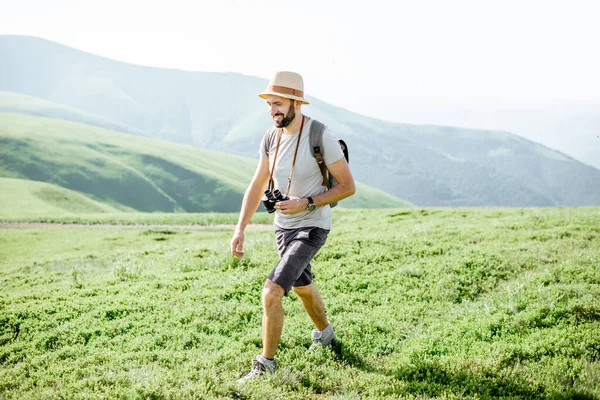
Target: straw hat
<point>286,84</point>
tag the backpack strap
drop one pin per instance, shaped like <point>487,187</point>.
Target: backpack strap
<point>316,143</point>
<point>344,149</point>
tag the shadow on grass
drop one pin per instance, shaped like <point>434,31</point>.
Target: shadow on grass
<point>429,378</point>
<point>433,379</point>
<point>343,353</point>
<point>573,395</point>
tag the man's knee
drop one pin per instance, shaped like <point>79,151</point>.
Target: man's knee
<point>272,293</point>
<point>304,291</point>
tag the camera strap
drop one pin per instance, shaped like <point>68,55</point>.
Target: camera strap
<point>271,182</point>
<point>287,192</point>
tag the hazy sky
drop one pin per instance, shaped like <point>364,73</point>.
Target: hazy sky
<point>406,61</point>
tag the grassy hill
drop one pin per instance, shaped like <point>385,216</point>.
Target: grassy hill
<point>23,104</point>
<point>369,197</point>
<point>131,172</point>
<point>427,303</point>
<point>427,165</point>
<point>30,198</point>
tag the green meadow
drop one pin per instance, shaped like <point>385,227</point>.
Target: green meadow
<point>427,303</point>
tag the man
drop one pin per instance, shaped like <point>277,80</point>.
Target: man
<point>302,222</point>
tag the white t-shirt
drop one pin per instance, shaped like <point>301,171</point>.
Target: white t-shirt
<point>307,177</point>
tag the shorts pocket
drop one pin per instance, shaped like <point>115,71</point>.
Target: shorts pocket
<point>318,236</point>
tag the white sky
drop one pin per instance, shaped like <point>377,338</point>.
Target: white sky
<point>407,61</point>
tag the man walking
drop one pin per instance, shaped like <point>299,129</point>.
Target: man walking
<point>303,221</point>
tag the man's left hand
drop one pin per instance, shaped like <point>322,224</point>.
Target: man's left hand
<point>292,206</point>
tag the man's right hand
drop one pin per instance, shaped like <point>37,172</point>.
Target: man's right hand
<point>250,203</point>
<point>237,244</point>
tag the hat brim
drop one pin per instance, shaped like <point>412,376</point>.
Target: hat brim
<point>264,95</point>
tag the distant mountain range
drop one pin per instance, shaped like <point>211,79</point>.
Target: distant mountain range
<point>427,165</point>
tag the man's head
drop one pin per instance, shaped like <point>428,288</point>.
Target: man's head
<point>284,95</point>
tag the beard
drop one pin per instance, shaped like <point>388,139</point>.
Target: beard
<point>287,118</point>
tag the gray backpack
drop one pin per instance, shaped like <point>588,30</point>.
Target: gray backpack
<point>316,145</point>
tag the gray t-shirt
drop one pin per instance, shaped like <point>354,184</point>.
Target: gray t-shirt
<point>307,177</point>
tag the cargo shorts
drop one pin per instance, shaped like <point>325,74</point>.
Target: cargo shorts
<point>296,247</point>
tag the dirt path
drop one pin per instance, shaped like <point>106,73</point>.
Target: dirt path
<point>43,225</point>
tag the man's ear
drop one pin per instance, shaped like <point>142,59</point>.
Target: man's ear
<point>296,104</point>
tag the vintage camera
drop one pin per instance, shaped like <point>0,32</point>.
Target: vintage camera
<point>271,198</point>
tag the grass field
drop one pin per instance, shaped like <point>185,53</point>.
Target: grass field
<point>448,303</point>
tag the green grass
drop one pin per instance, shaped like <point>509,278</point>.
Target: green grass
<point>448,303</point>
<point>30,198</point>
<point>132,172</point>
<point>137,218</point>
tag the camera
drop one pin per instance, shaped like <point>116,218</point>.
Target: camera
<point>271,198</point>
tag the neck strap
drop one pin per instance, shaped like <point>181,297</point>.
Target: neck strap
<point>279,134</point>
<point>287,192</point>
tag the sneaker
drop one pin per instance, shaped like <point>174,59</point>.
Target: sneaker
<point>322,338</point>
<point>260,366</point>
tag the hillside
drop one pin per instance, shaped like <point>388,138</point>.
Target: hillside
<point>131,172</point>
<point>26,198</point>
<point>23,104</point>
<point>427,165</point>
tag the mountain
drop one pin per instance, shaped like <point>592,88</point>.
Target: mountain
<point>107,171</point>
<point>23,104</point>
<point>427,165</point>
<point>570,126</point>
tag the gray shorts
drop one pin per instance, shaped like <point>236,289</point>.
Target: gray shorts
<point>296,247</point>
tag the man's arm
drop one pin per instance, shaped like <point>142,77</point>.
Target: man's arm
<point>345,188</point>
<point>249,205</point>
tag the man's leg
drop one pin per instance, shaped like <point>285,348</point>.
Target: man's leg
<point>313,304</point>
<point>272,323</point>
<point>323,335</point>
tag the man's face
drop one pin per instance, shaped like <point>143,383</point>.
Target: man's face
<point>282,110</point>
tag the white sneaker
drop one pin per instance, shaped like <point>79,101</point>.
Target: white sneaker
<point>260,366</point>
<point>322,338</point>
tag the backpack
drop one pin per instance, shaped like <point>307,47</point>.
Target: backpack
<point>316,145</point>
